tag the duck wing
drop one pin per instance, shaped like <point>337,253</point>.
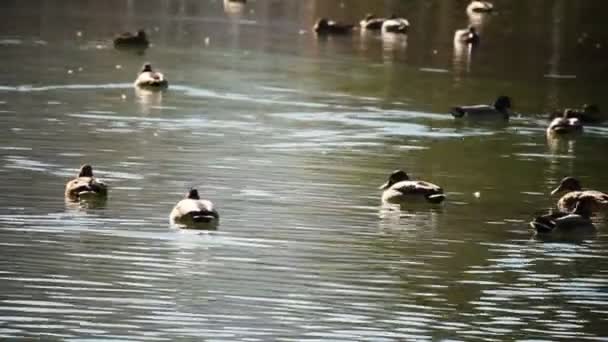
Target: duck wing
<point>568,202</point>
<point>417,187</point>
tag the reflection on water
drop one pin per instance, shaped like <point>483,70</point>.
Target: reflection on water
<point>290,136</point>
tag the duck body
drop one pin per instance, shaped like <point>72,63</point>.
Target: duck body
<point>564,126</point>
<point>573,194</point>
<point>371,22</point>
<point>395,25</point>
<point>130,40</point>
<point>466,36</point>
<point>150,79</point>
<point>399,189</point>
<point>560,221</point>
<point>193,211</point>
<point>85,186</point>
<point>579,220</point>
<point>499,110</point>
<point>480,7</point>
<point>324,26</point>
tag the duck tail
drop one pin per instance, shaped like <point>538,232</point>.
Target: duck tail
<point>457,112</point>
<point>204,216</point>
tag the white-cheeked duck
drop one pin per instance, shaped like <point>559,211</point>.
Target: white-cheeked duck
<point>194,212</point>
<point>150,79</point>
<point>401,189</point>
<point>559,126</point>
<point>371,22</point>
<point>395,25</point>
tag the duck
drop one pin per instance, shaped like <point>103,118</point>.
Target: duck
<point>150,79</point>
<point>371,22</point>
<point>130,40</point>
<point>572,192</point>
<point>395,25</point>
<point>85,185</point>
<point>500,109</point>
<point>588,114</point>
<point>467,36</point>
<point>480,7</point>
<point>323,26</point>
<point>577,220</point>
<point>399,188</point>
<point>564,125</point>
<point>193,211</point>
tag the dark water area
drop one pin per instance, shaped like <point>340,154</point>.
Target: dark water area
<point>290,135</point>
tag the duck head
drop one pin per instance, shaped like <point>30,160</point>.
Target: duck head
<point>141,34</point>
<point>147,67</point>
<point>567,184</point>
<point>395,177</point>
<point>322,24</point>
<point>193,194</point>
<point>369,17</point>
<point>569,113</point>
<point>86,170</point>
<point>502,103</point>
<point>591,109</point>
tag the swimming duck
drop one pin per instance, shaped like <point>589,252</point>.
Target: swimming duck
<point>395,25</point>
<point>399,188</point>
<point>128,39</point>
<point>589,113</point>
<point>193,211</point>
<point>371,22</point>
<point>573,193</point>
<point>578,220</point>
<point>564,126</point>
<point>500,109</point>
<point>85,185</point>
<point>325,27</point>
<point>150,79</point>
<point>480,7</point>
<point>467,36</point>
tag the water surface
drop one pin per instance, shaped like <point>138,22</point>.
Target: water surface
<point>290,136</point>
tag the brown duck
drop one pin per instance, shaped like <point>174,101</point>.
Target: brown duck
<point>573,193</point>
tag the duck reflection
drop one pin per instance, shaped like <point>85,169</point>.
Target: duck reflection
<point>148,99</point>
<point>393,45</point>
<point>561,143</point>
<point>86,203</point>
<point>413,218</point>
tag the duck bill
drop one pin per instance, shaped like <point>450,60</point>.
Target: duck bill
<point>556,190</point>
<point>384,186</point>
